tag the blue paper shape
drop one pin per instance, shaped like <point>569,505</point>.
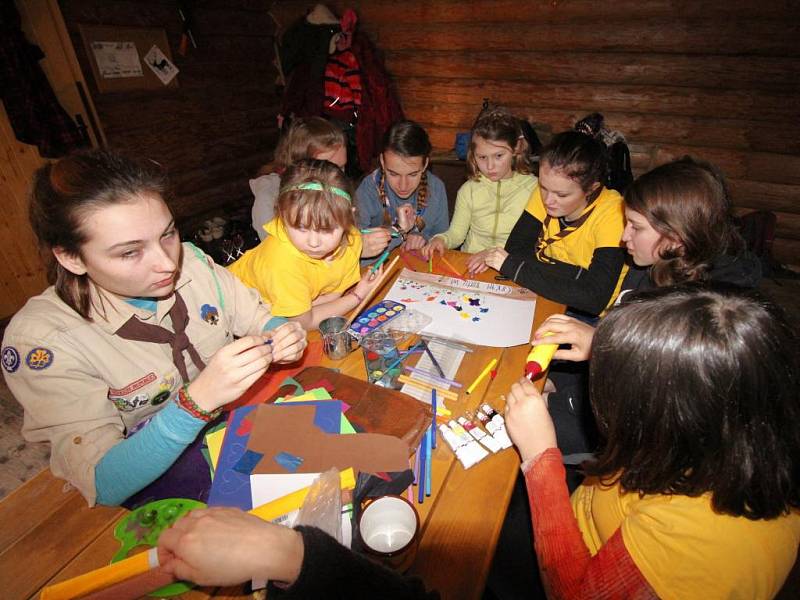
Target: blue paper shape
<point>230,487</point>
<point>248,462</point>
<point>290,462</point>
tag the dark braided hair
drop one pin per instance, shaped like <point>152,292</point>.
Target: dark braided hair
<point>407,139</point>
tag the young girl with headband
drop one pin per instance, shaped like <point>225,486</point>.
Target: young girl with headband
<point>402,196</point>
<point>566,244</point>
<point>311,256</point>
<point>490,202</point>
<point>127,357</point>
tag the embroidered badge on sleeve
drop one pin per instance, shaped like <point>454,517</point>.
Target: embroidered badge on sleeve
<point>39,358</point>
<point>10,359</point>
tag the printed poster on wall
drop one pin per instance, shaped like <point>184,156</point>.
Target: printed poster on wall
<point>116,60</point>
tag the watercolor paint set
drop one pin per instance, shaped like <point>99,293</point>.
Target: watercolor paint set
<point>375,317</point>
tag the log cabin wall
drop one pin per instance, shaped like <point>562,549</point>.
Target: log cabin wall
<point>717,79</point>
<point>215,129</point>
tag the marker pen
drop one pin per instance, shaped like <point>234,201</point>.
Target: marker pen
<point>497,420</point>
<point>539,358</point>
<point>478,433</point>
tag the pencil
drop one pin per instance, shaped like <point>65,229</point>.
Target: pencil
<point>380,261</point>
<point>394,234</point>
<point>430,264</point>
<point>400,358</point>
<point>433,377</point>
<point>433,359</point>
<point>433,423</point>
<point>487,369</point>
<point>424,385</point>
<point>369,296</point>
<point>451,267</point>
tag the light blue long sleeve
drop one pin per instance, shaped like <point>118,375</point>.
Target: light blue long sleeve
<point>140,459</point>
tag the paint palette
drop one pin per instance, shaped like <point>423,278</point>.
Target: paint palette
<point>375,317</point>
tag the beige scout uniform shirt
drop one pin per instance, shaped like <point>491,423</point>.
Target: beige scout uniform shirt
<point>83,388</point>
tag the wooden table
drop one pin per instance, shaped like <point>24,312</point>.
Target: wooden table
<point>47,533</point>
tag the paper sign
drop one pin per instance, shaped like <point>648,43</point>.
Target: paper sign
<point>160,65</point>
<point>116,60</point>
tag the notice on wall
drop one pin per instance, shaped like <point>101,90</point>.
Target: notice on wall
<point>116,60</point>
<point>160,65</point>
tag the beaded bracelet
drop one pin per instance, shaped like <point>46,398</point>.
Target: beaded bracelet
<point>185,401</point>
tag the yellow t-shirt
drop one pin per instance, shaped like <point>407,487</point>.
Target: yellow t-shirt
<point>289,279</point>
<point>686,550</point>
<point>603,229</point>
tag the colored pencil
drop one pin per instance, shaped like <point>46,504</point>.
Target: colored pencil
<point>433,359</point>
<point>401,358</point>
<point>428,462</point>
<point>430,264</point>
<point>394,234</point>
<point>451,267</point>
<point>424,385</point>
<point>433,407</point>
<point>375,289</point>
<point>433,377</point>
<point>380,261</point>
<point>486,370</point>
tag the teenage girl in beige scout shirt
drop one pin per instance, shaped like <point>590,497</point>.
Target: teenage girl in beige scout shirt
<point>136,334</point>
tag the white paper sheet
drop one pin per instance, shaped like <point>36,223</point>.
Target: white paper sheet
<point>473,312</point>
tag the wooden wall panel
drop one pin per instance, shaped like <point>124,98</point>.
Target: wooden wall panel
<point>22,273</point>
<point>716,79</point>
<point>215,129</point>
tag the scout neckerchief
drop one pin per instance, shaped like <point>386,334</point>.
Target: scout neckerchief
<point>135,330</point>
<point>542,243</point>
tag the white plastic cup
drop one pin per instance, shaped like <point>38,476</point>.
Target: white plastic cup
<point>389,529</point>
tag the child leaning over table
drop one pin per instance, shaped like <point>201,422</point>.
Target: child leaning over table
<point>310,258</point>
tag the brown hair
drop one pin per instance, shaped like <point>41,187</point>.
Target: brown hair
<point>320,210</point>
<point>499,125</point>
<point>696,390</point>
<point>66,192</point>
<point>686,201</point>
<point>408,139</point>
<point>304,138</point>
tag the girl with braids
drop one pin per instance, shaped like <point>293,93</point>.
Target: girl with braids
<point>402,196</point>
<point>491,201</point>
<point>311,256</point>
<point>566,244</point>
<point>126,358</point>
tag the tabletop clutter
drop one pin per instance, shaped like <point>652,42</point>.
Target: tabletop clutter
<point>326,446</point>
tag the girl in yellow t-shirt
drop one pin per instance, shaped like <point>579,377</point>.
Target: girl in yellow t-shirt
<point>311,256</point>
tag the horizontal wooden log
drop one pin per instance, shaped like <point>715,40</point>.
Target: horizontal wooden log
<point>764,136</point>
<point>739,72</point>
<point>690,102</point>
<point>382,12</point>
<point>754,166</point>
<point>787,225</point>
<point>765,196</point>
<point>763,37</point>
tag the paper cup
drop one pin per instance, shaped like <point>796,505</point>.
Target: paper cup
<point>389,530</point>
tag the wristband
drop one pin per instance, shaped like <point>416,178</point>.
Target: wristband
<point>184,400</point>
<point>359,298</point>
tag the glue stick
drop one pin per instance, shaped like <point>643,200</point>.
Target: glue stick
<point>539,358</point>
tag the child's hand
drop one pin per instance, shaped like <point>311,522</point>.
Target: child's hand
<point>414,241</point>
<point>200,549</point>
<point>375,242</point>
<point>528,421</point>
<point>368,282</point>
<point>231,371</point>
<point>288,342</point>
<point>566,330</point>
<point>435,245</point>
<point>406,215</point>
